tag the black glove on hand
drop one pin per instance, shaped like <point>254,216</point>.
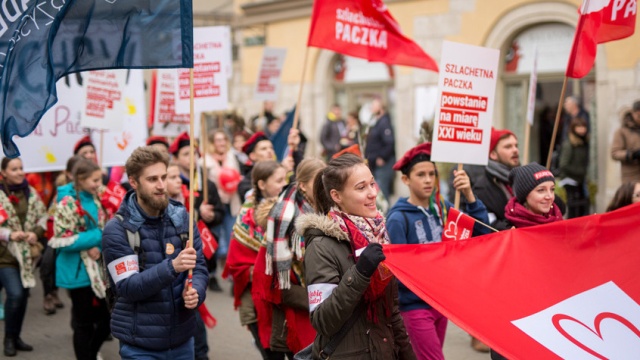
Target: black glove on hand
<point>369,259</point>
<point>635,155</point>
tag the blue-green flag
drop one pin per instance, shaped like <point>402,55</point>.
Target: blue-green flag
<point>42,41</point>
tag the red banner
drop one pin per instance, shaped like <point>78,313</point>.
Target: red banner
<point>364,29</point>
<point>600,22</point>
<point>209,242</point>
<point>566,290</point>
<point>459,226</point>
<point>3,215</point>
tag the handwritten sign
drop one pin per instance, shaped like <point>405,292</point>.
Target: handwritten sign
<point>103,99</point>
<point>465,104</point>
<point>268,84</point>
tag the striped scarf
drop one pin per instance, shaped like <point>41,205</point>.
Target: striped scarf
<point>285,248</point>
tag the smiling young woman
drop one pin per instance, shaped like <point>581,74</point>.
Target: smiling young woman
<point>343,244</point>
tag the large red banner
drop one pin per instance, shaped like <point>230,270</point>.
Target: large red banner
<point>364,29</point>
<point>565,290</point>
<point>600,21</point>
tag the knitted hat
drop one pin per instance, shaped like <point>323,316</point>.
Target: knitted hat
<point>525,178</point>
<point>85,141</point>
<point>497,135</point>
<point>413,156</point>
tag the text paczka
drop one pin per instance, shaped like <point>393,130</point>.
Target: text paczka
<point>358,29</point>
<point>628,6</point>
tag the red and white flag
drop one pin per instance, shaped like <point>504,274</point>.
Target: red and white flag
<point>566,290</point>
<point>459,226</point>
<point>364,29</point>
<point>209,242</point>
<point>600,21</point>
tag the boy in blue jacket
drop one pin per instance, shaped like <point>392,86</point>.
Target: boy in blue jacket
<point>419,219</point>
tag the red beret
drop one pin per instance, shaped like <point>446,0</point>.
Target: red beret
<point>86,140</point>
<point>157,140</point>
<point>406,162</point>
<point>250,145</point>
<point>181,141</point>
<point>497,135</point>
<point>353,149</point>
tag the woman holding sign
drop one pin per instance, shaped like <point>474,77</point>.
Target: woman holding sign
<point>22,225</point>
<point>78,224</point>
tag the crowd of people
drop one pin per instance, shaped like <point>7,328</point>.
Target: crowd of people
<point>301,239</point>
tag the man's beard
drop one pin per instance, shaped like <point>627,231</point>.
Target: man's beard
<point>153,202</point>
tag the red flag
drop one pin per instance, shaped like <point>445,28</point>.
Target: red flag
<point>364,29</point>
<point>459,226</point>
<point>112,197</point>
<point>209,242</point>
<point>600,21</point>
<point>563,290</point>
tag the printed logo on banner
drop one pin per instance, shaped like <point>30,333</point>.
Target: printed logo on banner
<point>601,323</point>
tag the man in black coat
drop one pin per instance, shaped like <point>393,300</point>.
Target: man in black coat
<point>381,148</point>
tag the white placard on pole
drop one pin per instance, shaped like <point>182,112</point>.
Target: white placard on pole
<point>268,83</point>
<point>103,100</point>
<point>51,144</point>
<point>533,79</point>
<point>166,121</point>
<point>466,94</point>
<point>211,46</point>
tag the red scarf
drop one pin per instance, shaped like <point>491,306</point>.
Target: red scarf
<point>521,217</point>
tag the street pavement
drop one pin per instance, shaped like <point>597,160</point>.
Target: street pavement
<point>52,337</point>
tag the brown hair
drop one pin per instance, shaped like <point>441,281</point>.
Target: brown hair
<point>622,197</point>
<point>5,162</point>
<point>308,168</point>
<point>334,176</point>
<point>143,157</point>
<point>262,171</point>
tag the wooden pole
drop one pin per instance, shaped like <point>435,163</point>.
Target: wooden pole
<point>101,148</point>
<point>456,202</point>
<point>555,125</point>
<point>205,149</point>
<point>296,115</point>
<point>192,159</point>
<point>527,142</point>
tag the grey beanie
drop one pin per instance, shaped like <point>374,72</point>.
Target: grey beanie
<point>525,178</point>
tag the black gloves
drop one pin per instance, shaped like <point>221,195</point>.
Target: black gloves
<point>635,155</point>
<point>369,259</point>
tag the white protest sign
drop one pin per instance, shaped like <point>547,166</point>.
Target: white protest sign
<point>119,144</point>
<point>166,121</point>
<point>210,69</point>
<point>51,144</point>
<point>103,99</point>
<point>268,84</point>
<point>466,94</point>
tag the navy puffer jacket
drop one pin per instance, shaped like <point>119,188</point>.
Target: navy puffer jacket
<point>149,311</point>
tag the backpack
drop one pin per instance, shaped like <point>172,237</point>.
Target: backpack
<point>134,242</point>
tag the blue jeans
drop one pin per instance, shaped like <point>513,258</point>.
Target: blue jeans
<point>384,176</point>
<point>15,305</point>
<point>223,232</point>
<point>182,352</point>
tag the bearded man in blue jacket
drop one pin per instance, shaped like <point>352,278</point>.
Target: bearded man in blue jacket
<point>154,311</point>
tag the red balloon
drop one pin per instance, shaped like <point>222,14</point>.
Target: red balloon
<point>229,179</point>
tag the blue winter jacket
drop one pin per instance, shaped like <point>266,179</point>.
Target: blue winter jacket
<point>409,224</point>
<point>149,311</point>
<point>70,270</point>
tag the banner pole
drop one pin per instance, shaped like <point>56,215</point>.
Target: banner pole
<point>192,144</point>
<point>456,202</point>
<point>101,148</point>
<point>296,115</point>
<point>555,125</point>
<point>527,142</point>
<point>205,148</point>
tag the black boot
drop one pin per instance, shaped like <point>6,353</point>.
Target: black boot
<point>9,347</point>
<point>22,346</point>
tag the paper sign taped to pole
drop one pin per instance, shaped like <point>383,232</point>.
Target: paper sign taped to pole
<point>466,92</point>
<point>210,68</point>
<point>268,84</point>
